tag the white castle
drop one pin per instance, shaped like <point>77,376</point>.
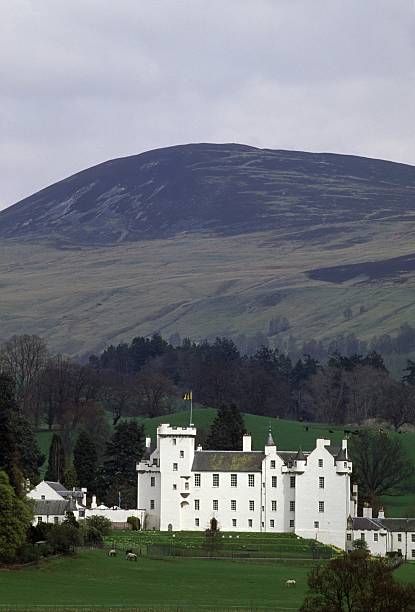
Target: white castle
<point>306,493</point>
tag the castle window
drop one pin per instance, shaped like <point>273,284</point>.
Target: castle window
<point>345,464</point>
<point>39,519</point>
<point>250,525</point>
<point>271,523</point>
<point>196,522</point>
<point>186,486</point>
<point>234,480</point>
<point>56,520</point>
<point>233,522</point>
<point>181,454</point>
<point>349,537</point>
<point>316,524</point>
<point>174,467</point>
<point>215,504</point>
<point>151,504</point>
<point>399,551</point>
<point>399,537</point>
<point>174,487</point>
<point>321,482</point>
<point>251,480</point>
<point>413,537</point>
<point>42,497</point>
<point>251,505</point>
<point>197,504</point>
<point>272,464</point>
<point>320,463</point>
<point>197,480</point>
<point>174,441</point>
<point>215,480</point>
<point>413,553</point>
<point>274,481</point>
<point>233,504</point>
<point>362,537</point>
<point>292,482</point>
<point>292,523</point>
<point>292,506</point>
<point>274,505</point>
<point>321,506</point>
<point>376,537</point>
<point>153,481</point>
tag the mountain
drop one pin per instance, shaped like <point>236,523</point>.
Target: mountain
<point>216,189</point>
<point>209,239</point>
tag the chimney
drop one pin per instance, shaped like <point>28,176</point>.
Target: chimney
<point>381,513</point>
<point>94,502</point>
<point>246,443</point>
<point>84,492</point>
<point>199,448</point>
<point>367,511</point>
<point>148,442</point>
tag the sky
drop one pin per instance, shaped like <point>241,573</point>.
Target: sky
<point>83,81</point>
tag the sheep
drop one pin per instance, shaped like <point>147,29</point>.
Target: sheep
<point>291,583</point>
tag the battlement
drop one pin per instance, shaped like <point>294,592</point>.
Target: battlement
<point>172,430</point>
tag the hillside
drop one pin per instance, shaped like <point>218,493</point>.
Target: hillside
<point>206,240</point>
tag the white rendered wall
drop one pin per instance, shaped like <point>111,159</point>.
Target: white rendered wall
<point>43,489</point>
<point>335,495</point>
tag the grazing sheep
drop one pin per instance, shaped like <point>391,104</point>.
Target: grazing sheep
<point>291,583</point>
<point>131,556</point>
<point>112,552</point>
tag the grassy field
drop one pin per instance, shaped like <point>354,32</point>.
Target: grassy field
<point>188,543</point>
<point>93,579</point>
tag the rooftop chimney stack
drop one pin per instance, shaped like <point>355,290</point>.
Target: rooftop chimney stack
<point>367,511</point>
<point>246,443</point>
<point>148,442</point>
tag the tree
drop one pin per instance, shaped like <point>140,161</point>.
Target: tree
<point>20,456</point>
<point>56,462</point>
<point>409,377</point>
<point>15,519</point>
<point>119,475</point>
<point>227,429</point>
<point>23,358</point>
<point>154,389</point>
<point>380,464</point>
<point>85,461</point>
<point>357,583</point>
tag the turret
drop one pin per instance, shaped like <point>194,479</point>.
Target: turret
<point>270,446</point>
<point>342,463</point>
<point>300,461</point>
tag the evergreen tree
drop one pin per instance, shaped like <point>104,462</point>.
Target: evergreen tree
<point>119,477</point>
<point>85,461</point>
<point>227,429</point>
<point>15,519</point>
<point>56,463</point>
<point>20,456</point>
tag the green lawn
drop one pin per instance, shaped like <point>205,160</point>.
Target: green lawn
<point>194,543</point>
<point>93,579</point>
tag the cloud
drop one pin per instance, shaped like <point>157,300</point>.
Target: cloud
<point>89,80</point>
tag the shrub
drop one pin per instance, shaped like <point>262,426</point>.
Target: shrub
<point>100,523</point>
<point>134,521</point>
<point>64,538</point>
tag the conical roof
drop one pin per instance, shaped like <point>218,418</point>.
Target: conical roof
<point>270,439</point>
<point>300,455</point>
<point>341,455</point>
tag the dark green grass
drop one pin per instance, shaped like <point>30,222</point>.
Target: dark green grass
<point>93,579</point>
<point>406,573</point>
<point>194,543</point>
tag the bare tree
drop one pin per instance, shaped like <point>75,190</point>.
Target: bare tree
<point>153,391</point>
<point>55,383</point>
<point>380,464</point>
<point>23,358</point>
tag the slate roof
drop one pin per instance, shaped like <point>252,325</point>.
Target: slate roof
<point>361,523</point>
<point>397,524</point>
<point>227,461</point>
<point>51,506</point>
<point>390,524</point>
<point>341,455</point>
<point>270,439</point>
<point>57,486</point>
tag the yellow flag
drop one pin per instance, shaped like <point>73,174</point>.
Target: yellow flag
<point>187,396</point>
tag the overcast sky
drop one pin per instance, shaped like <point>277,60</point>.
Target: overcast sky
<point>83,81</point>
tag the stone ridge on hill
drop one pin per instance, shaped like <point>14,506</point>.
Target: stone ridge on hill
<point>221,189</point>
